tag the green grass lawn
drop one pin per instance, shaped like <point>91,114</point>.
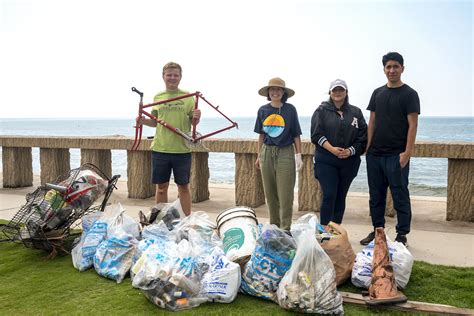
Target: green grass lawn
<point>32,285</point>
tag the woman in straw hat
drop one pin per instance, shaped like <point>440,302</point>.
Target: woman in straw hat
<point>279,146</point>
<point>339,131</point>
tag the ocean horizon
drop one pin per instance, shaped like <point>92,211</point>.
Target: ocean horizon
<point>428,176</point>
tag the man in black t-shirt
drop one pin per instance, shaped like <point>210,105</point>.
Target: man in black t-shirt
<point>394,110</point>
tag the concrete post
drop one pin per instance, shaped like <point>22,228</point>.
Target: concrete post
<point>248,181</point>
<point>54,162</point>
<point>17,167</point>
<point>199,177</point>
<point>460,202</point>
<point>309,192</point>
<point>139,175</point>
<point>101,158</point>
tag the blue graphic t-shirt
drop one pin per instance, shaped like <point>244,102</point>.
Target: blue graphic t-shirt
<point>280,126</point>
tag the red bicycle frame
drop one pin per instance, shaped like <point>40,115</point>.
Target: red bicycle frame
<point>194,138</point>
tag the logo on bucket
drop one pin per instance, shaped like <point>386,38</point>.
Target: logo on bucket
<point>233,239</point>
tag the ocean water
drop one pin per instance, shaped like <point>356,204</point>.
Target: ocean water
<point>428,176</point>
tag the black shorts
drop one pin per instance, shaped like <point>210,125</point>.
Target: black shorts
<point>163,163</point>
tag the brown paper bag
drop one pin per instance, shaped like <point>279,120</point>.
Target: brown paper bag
<point>340,251</point>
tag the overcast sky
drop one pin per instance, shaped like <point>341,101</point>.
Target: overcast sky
<point>80,58</point>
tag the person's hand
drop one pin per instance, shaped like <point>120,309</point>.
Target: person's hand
<point>404,158</point>
<point>196,114</point>
<point>257,163</point>
<point>336,151</point>
<point>139,121</point>
<point>298,162</point>
<point>344,154</point>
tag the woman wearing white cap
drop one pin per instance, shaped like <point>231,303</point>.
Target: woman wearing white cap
<point>279,146</point>
<point>339,131</point>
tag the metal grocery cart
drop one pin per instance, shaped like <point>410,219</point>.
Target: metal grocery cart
<point>50,218</point>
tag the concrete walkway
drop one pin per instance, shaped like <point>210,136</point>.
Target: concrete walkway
<point>432,239</point>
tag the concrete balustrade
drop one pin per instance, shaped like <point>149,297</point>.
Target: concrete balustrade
<point>54,161</point>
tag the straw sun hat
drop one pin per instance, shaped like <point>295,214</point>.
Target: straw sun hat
<point>276,82</point>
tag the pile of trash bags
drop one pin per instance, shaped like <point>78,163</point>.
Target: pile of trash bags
<point>178,262</point>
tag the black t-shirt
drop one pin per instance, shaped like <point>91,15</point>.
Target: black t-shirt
<point>391,107</point>
<point>280,126</point>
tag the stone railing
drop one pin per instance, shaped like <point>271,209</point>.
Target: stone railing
<point>55,160</point>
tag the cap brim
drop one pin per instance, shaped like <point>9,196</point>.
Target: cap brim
<point>338,85</point>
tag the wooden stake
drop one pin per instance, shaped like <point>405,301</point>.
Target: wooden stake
<point>410,306</point>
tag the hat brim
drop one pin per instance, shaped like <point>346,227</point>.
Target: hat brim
<point>264,91</point>
<point>338,85</point>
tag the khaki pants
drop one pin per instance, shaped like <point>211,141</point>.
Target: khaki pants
<point>277,165</point>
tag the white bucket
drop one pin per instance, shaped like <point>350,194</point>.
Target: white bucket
<point>237,228</point>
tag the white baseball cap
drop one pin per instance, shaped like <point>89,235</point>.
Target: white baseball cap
<point>338,83</point>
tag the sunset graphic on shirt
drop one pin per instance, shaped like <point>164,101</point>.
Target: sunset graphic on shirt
<point>274,125</point>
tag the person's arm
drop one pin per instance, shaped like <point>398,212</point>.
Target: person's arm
<point>360,142</point>
<point>259,147</point>
<point>317,134</point>
<point>147,122</point>
<point>297,141</point>
<point>298,158</point>
<point>142,120</point>
<point>411,136</point>
<point>370,129</point>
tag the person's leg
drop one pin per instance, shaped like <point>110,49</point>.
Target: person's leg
<point>326,173</point>
<point>378,185</point>
<point>398,180</point>
<point>268,171</point>
<point>285,179</point>
<point>185,198</point>
<point>349,170</point>
<point>181,164</point>
<point>161,193</point>
<point>161,173</point>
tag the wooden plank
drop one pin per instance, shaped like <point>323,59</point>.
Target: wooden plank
<point>410,306</point>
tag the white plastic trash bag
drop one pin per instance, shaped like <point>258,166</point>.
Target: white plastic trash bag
<point>76,253</point>
<point>402,262</point>
<point>113,257</point>
<point>221,283</point>
<point>83,253</point>
<point>309,286</point>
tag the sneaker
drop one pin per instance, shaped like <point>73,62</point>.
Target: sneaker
<point>403,239</point>
<point>368,239</point>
